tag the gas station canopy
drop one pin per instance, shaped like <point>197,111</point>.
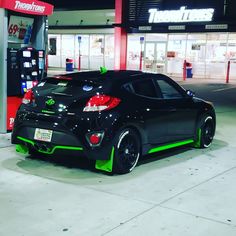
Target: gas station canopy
<point>28,6</point>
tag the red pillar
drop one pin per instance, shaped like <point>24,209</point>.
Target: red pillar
<point>227,73</point>
<point>79,63</point>
<point>141,60</point>
<point>184,70</point>
<point>46,63</point>
<point>120,37</point>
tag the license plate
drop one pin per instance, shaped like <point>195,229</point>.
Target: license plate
<point>43,135</point>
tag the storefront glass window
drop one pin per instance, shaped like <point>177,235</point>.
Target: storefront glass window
<point>67,48</point>
<point>216,55</point>
<point>54,50</point>
<point>133,51</point>
<point>155,53</point>
<point>176,54</point>
<point>82,46</point>
<point>155,56</point>
<point>156,37</point>
<point>109,51</point>
<point>231,55</point>
<point>96,51</point>
<point>196,53</point>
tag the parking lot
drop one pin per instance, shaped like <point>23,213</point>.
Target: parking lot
<point>184,192</point>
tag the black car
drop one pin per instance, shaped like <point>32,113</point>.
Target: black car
<point>113,117</point>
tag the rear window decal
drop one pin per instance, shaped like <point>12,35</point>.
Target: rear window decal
<point>87,88</point>
<point>41,84</point>
<point>63,84</point>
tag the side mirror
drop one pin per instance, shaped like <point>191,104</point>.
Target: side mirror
<point>190,93</point>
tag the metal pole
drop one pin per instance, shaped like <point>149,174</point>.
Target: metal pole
<point>141,58</point>
<point>79,62</point>
<point>3,70</point>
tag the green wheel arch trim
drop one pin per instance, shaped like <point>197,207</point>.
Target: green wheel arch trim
<point>197,144</point>
<point>106,165</point>
<point>171,145</point>
<point>49,152</point>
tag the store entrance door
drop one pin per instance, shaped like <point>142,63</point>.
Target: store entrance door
<point>155,57</point>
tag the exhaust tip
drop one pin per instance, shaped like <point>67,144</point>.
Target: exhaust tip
<point>44,148</point>
<point>36,146</point>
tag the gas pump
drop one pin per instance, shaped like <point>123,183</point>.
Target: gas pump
<point>23,70</point>
<point>28,68</point>
<point>41,63</point>
<point>26,23</point>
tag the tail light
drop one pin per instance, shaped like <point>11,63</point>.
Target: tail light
<point>101,103</point>
<point>28,97</point>
<point>35,83</point>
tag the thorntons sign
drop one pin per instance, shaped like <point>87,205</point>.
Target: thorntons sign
<point>28,6</point>
<point>182,15</point>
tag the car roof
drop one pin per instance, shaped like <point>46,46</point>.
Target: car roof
<point>97,76</point>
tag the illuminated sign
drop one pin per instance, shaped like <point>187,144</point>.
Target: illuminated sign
<point>29,7</point>
<point>181,15</point>
<point>33,7</point>
<point>147,28</point>
<point>176,27</point>
<point>217,27</point>
<point>20,29</point>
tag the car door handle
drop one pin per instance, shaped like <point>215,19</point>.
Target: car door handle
<point>173,109</point>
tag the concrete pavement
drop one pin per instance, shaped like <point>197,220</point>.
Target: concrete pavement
<point>180,192</point>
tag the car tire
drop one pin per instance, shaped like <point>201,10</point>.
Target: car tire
<point>206,131</point>
<point>127,150</point>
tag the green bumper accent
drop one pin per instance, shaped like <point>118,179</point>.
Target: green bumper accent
<point>48,112</point>
<point>106,165</point>
<point>26,140</point>
<point>49,152</point>
<point>22,149</point>
<point>171,145</point>
<point>197,144</point>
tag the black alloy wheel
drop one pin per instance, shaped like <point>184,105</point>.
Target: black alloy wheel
<point>127,151</point>
<point>207,131</point>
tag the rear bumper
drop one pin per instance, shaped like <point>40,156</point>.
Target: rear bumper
<point>69,135</point>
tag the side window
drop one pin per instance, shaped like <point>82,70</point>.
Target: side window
<point>129,88</point>
<point>145,88</point>
<point>168,90</point>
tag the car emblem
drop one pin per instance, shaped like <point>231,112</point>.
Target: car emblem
<point>50,102</point>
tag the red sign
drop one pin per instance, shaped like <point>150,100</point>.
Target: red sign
<point>13,104</point>
<point>28,6</point>
<point>19,29</point>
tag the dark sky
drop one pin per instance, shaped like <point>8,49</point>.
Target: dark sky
<point>81,4</point>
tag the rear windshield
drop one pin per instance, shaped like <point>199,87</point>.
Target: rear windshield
<point>70,87</point>
<point>69,81</point>
<point>85,84</point>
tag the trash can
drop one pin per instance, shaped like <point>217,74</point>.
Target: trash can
<point>189,70</point>
<point>69,64</point>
